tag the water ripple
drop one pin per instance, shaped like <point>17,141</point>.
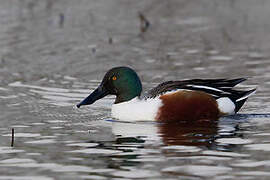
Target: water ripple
<point>25,178</point>
<point>96,151</point>
<point>197,170</point>
<point>8,150</point>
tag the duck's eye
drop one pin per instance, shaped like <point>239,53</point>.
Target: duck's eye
<point>114,78</point>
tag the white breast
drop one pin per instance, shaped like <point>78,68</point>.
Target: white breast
<point>136,110</point>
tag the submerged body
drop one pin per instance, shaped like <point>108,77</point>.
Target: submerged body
<point>188,100</point>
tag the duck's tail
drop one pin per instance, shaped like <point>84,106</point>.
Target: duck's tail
<point>241,98</point>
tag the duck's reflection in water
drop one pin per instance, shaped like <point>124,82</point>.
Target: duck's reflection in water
<point>195,133</point>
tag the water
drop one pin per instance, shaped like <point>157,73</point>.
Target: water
<point>54,53</point>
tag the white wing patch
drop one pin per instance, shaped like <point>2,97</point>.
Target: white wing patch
<point>225,105</point>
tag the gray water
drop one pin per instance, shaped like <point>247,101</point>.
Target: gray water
<point>53,53</point>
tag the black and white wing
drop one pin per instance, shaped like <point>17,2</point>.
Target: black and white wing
<point>218,88</point>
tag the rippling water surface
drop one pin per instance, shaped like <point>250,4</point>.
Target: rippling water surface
<point>53,53</point>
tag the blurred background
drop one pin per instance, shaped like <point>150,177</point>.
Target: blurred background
<point>185,39</point>
<point>53,53</point>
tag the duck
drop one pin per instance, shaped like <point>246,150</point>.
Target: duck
<point>171,101</point>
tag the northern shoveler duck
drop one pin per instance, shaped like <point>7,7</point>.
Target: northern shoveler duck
<point>186,100</point>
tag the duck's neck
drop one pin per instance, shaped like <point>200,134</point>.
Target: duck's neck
<point>124,98</point>
<point>131,89</point>
<point>128,94</point>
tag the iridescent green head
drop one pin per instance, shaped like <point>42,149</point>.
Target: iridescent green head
<point>120,81</point>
